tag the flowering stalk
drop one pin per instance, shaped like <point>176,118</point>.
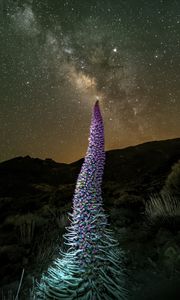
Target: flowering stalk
<point>91,268</point>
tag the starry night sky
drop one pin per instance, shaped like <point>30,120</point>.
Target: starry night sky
<point>58,57</point>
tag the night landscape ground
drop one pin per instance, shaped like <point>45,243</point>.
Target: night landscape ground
<point>35,196</point>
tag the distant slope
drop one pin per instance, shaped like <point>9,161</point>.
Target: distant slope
<point>141,163</point>
<point>137,165</point>
<point>17,174</point>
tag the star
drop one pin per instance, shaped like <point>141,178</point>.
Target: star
<point>115,50</point>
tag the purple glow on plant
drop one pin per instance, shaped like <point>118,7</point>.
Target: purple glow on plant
<point>91,268</point>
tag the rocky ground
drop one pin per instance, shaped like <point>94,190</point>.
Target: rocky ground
<point>35,196</point>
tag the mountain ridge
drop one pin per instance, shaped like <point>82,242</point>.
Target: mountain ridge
<point>122,165</point>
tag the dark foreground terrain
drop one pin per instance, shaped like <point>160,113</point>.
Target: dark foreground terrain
<point>35,196</point>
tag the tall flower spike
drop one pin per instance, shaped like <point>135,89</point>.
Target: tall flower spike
<point>91,268</point>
